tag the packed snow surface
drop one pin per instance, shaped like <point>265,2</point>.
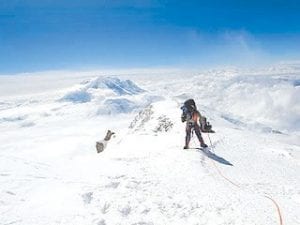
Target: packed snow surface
<point>51,174</point>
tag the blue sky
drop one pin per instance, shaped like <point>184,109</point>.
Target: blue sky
<point>40,35</point>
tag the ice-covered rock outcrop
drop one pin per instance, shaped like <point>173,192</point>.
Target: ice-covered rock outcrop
<point>154,118</point>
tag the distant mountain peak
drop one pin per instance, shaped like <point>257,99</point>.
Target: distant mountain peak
<point>118,86</point>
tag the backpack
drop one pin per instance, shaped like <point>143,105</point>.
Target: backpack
<point>205,126</point>
<point>189,106</point>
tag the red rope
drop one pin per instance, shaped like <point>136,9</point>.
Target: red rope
<point>277,207</point>
<point>237,185</point>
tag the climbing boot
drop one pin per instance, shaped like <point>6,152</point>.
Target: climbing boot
<point>203,145</point>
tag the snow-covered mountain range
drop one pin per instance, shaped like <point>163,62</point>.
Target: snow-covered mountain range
<point>51,173</point>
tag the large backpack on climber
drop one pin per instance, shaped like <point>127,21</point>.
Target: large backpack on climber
<point>189,106</point>
<point>205,126</point>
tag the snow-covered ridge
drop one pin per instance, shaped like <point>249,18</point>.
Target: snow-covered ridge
<point>51,173</point>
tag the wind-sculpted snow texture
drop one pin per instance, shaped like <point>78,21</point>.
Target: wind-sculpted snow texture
<point>50,172</point>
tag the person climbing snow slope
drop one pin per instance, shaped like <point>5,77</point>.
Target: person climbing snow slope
<point>191,116</point>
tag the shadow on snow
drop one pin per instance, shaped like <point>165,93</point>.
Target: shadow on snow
<point>214,157</point>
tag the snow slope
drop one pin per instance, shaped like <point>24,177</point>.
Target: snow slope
<point>51,174</point>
